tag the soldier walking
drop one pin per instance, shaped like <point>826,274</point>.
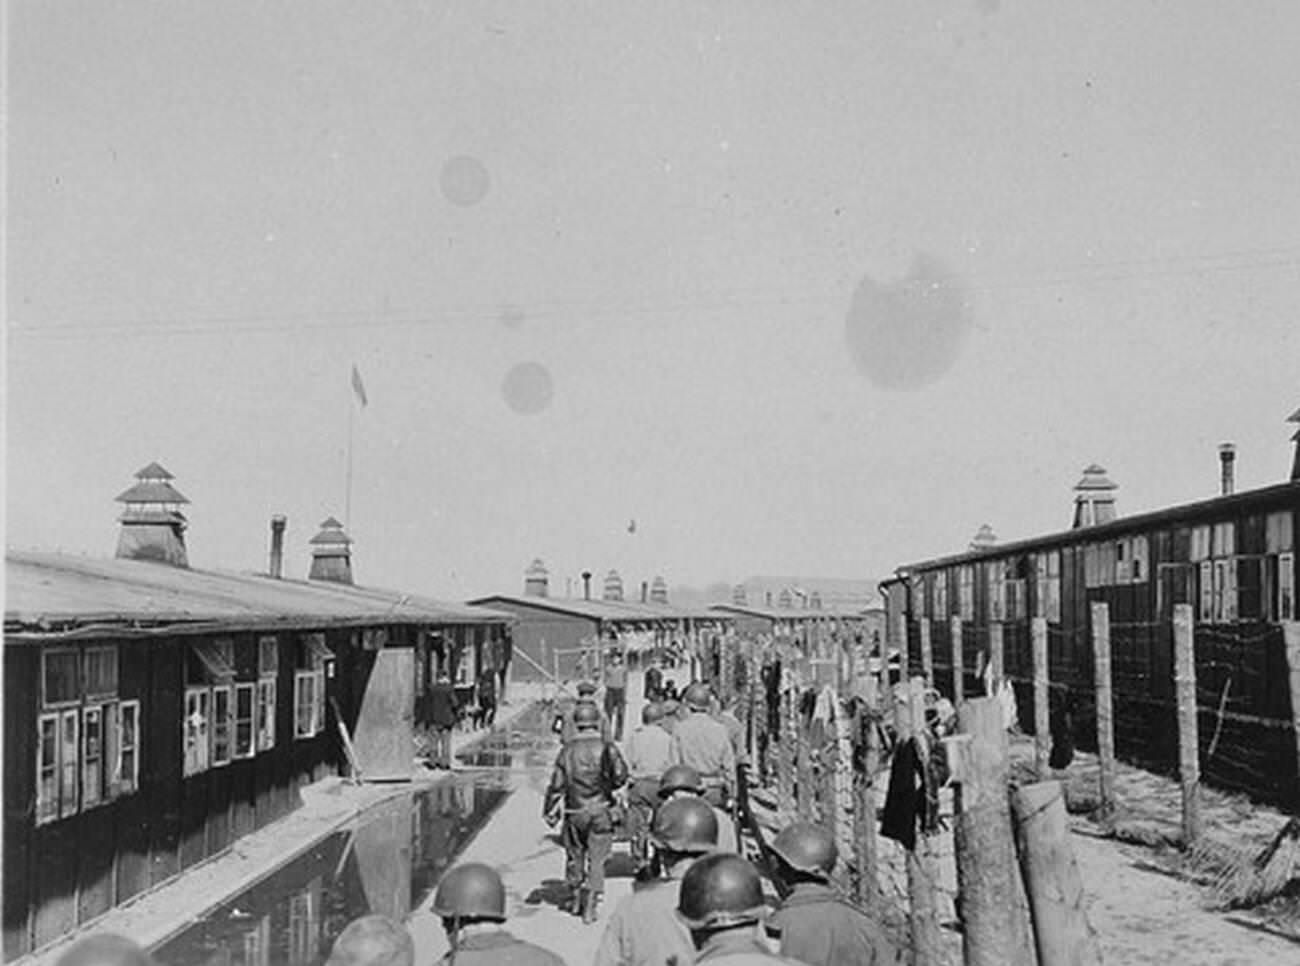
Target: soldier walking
<point>647,757</point>
<point>704,743</point>
<point>815,923</point>
<point>644,929</point>
<point>721,901</point>
<point>471,901</point>
<point>683,781</point>
<point>588,771</point>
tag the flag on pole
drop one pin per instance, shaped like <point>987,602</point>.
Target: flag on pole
<point>358,386</point>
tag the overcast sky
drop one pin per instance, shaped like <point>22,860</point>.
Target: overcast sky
<point>800,287</point>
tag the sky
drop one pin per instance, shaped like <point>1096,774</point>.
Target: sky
<point>802,288</point>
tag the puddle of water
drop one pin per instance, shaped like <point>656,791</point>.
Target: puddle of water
<point>388,863</point>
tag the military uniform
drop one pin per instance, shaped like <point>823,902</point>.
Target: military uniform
<point>645,930</point>
<point>647,757</point>
<point>499,948</point>
<point>820,928</point>
<point>568,730</point>
<point>704,744</point>
<point>587,772</point>
<point>740,948</point>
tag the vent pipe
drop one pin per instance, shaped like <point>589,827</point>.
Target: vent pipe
<point>276,566</point>
<point>1227,466</point>
<point>586,585</point>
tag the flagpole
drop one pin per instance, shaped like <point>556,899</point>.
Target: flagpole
<point>347,503</point>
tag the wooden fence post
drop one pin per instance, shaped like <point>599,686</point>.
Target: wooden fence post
<point>997,655</point>
<point>1062,933</point>
<point>905,654</point>
<point>785,756</point>
<point>1291,639</point>
<point>1189,764</point>
<point>864,805</point>
<point>927,652</point>
<point>1042,708</point>
<point>922,875</point>
<point>958,662</point>
<point>995,927</point>
<point>1105,708</point>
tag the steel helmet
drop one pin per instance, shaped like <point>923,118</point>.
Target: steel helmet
<point>105,949</point>
<point>670,708</point>
<point>720,891</point>
<point>471,891</point>
<point>698,696</point>
<point>685,825</point>
<point>808,848</point>
<point>373,941</point>
<point>652,712</point>
<point>680,778</point>
<point>586,687</point>
<point>586,715</point>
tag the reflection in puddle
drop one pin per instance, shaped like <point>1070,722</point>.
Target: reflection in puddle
<point>387,863</point>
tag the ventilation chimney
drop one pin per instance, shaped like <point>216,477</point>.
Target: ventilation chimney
<point>739,595</point>
<point>586,585</point>
<point>1094,498</point>
<point>814,601</point>
<point>786,600</point>
<point>1227,467</point>
<point>536,579</point>
<point>645,592</point>
<point>1295,461</point>
<point>153,527</point>
<point>659,591</point>
<point>331,558</point>
<point>984,540</point>
<point>613,586</point>
<point>276,567</point>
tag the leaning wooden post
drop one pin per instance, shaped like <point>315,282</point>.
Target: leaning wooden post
<point>1189,764</point>
<point>1105,708</point>
<point>1062,933</point>
<point>927,652</point>
<point>995,928</point>
<point>997,658</point>
<point>958,662</point>
<point>1291,639</point>
<point>1042,720</point>
<point>922,875</point>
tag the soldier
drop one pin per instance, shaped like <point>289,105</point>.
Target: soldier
<point>680,781</point>
<point>588,771</point>
<point>647,757</point>
<point>672,716</point>
<point>105,949</point>
<point>471,901</point>
<point>372,941</point>
<point>705,745</point>
<point>616,693</point>
<point>564,726</point>
<point>645,930</point>
<point>815,924</point>
<point>721,902</point>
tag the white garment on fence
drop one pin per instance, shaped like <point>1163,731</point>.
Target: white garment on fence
<point>824,709</point>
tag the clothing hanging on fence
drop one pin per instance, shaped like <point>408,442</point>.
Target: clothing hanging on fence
<point>824,708</point>
<point>1010,713</point>
<point>909,801</point>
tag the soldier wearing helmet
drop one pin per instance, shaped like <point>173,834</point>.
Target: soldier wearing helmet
<point>647,757</point>
<point>704,743</point>
<point>681,781</point>
<point>722,904</point>
<point>372,941</point>
<point>563,724</point>
<point>644,929</point>
<point>471,901</point>
<point>588,771</point>
<point>815,924</point>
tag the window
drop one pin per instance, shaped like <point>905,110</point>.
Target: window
<point>245,695</point>
<point>940,610</point>
<point>1205,611</point>
<point>966,592</point>
<point>1225,590</point>
<point>47,768</point>
<point>101,672</point>
<point>197,716</point>
<point>212,663</point>
<point>1200,543</point>
<point>268,656</point>
<point>127,772</point>
<point>1225,539</point>
<point>265,714</point>
<point>918,598</point>
<point>69,744</point>
<point>1015,603</point>
<point>996,575</point>
<point>1140,567</point>
<point>308,702</point>
<point>1286,587</point>
<point>222,722</point>
<point>60,676</point>
<point>92,756</point>
<point>1047,584</point>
